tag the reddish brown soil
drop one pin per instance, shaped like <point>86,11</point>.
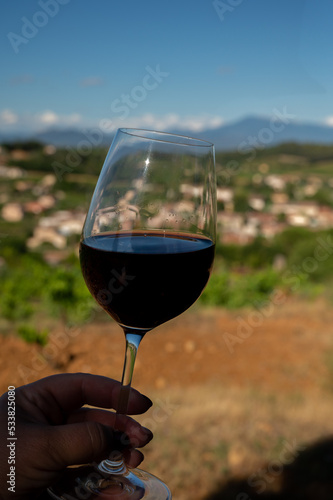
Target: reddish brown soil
<point>289,350</point>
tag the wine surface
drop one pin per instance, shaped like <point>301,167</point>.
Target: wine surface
<point>143,279</point>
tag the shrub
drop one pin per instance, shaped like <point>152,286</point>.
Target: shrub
<point>234,291</point>
<point>31,335</point>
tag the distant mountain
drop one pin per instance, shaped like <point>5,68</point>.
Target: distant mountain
<point>267,132</point>
<point>241,134</point>
<point>73,138</point>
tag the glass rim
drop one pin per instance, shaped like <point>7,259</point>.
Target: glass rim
<point>159,136</point>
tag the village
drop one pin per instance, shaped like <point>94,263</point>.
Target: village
<point>265,216</point>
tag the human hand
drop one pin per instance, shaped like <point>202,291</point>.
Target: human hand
<point>53,431</point>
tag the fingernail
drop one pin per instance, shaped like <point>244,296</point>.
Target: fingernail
<point>149,401</point>
<point>147,432</point>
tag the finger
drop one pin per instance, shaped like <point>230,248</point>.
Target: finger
<point>80,443</point>
<point>59,394</point>
<point>133,458</point>
<point>135,434</point>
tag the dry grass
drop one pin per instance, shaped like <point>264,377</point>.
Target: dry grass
<point>213,434</point>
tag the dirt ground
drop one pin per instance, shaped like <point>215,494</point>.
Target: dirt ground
<point>235,389</point>
<point>285,348</point>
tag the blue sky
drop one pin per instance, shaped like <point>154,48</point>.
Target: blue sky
<point>164,65</point>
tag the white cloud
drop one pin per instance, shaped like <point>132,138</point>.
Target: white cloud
<point>8,117</point>
<point>37,121</point>
<point>194,123</point>
<point>72,119</point>
<point>48,118</point>
<point>329,121</point>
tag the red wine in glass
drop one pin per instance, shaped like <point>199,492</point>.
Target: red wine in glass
<point>144,279</point>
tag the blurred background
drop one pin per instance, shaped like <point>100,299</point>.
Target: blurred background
<point>242,382</point>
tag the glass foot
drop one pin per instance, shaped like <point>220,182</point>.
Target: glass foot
<point>90,483</point>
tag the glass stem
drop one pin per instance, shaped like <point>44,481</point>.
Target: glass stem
<point>116,465</point>
<point>132,343</point>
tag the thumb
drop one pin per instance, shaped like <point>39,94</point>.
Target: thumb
<point>80,443</point>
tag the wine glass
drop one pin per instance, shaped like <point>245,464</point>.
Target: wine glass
<point>146,254</point>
